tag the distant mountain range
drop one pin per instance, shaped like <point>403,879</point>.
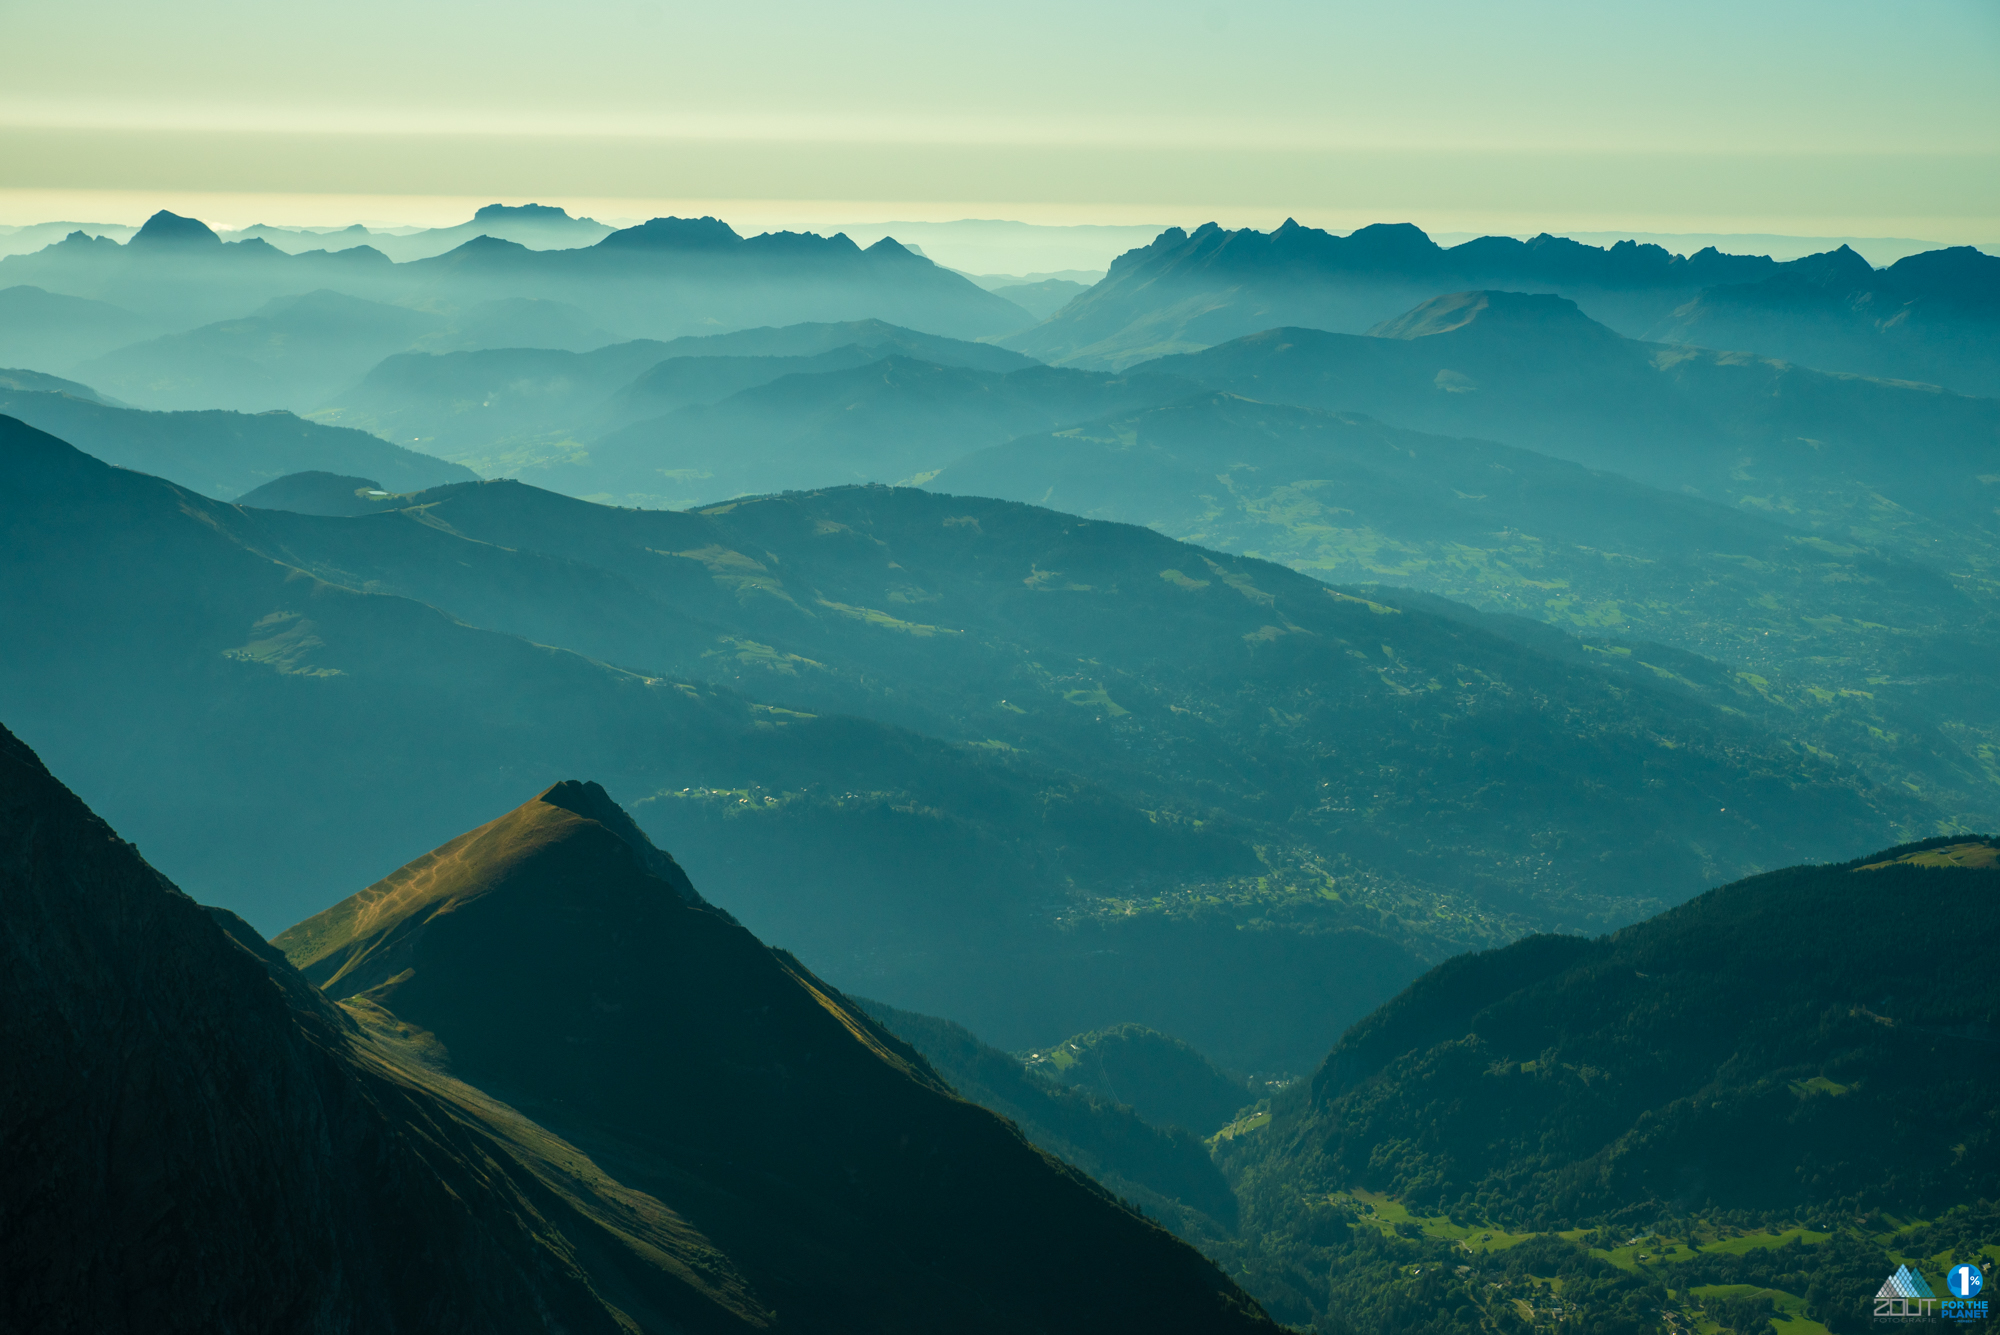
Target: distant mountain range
<point>1933,317</point>
<point>1187,291</point>
<point>1929,317</point>
<point>300,352</point>
<point>892,420</point>
<point>536,226</point>
<point>697,1133</point>
<point>504,410</point>
<point>1818,450</point>
<point>1846,582</point>
<point>1044,298</point>
<point>663,279</point>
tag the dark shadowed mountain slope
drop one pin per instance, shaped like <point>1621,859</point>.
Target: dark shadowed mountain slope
<point>823,1156</point>
<point>1164,1169</point>
<point>1750,1049</point>
<point>319,493</point>
<point>191,1148</point>
<point>1933,317</point>
<point>202,1140</point>
<point>1877,657</point>
<point>225,454</point>
<point>1760,1097</point>
<point>1165,1079</point>
<point>1188,291</point>
<point>504,409</point>
<point>886,421</point>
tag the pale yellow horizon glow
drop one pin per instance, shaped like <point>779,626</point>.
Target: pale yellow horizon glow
<point>1834,118</point>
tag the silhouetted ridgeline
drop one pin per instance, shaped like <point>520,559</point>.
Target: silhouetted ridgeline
<point>666,277</point>
<point>1928,317</point>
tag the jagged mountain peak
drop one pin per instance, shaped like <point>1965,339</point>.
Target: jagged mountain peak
<point>572,833</point>
<point>703,233</point>
<point>589,800</point>
<point>1829,268</point>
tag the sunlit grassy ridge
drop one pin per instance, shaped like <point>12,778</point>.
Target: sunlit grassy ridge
<point>718,1105</point>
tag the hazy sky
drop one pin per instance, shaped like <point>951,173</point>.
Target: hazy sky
<point>1826,117</point>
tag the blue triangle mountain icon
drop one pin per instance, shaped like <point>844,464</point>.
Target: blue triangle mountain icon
<point>1905,1283</point>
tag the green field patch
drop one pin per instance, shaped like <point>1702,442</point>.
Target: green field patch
<point>1380,609</point>
<point>1039,578</point>
<point>1097,699</point>
<point>1974,853</point>
<point>1788,1311</point>
<point>741,575</point>
<point>1386,1213</point>
<point>1241,1126</point>
<point>1750,1242</point>
<point>873,617</point>
<point>1805,1089</point>
<point>1645,1255</point>
<point>283,642</point>
<point>1240,582</point>
<point>752,654</point>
